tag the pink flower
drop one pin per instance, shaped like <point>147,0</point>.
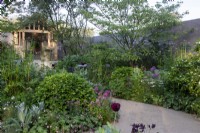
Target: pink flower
<point>106,93</point>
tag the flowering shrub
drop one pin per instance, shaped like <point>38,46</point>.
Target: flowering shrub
<point>153,78</point>
<point>102,106</point>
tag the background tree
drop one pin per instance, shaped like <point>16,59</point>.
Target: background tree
<point>134,24</point>
<point>66,21</point>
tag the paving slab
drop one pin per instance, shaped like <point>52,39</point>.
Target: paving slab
<point>166,120</point>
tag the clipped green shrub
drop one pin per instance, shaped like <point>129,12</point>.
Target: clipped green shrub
<point>126,83</point>
<point>61,90</point>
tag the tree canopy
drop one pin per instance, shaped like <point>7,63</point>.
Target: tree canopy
<point>131,23</point>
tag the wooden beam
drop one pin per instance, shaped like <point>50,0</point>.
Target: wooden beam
<point>19,38</point>
<point>34,31</point>
<point>15,38</point>
<point>23,38</point>
<point>49,39</point>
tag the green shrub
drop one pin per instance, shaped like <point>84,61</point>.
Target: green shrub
<point>184,76</point>
<point>154,89</point>
<point>177,101</point>
<point>70,62</point>
<point>63,89</point>
<point>64,122</point>
<point>18,78</point>
<point>183,84</point>
<point>126,83</point>
<point>100,62</point>
<point>196,106</point>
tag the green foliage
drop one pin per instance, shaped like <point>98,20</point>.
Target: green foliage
<point>18,76</point>
<point>197,46</point>
<point>76,119</point>
<point>153,98</point>
<point>70,28</point>
<point>107,129</point>
<point>7,26</point>
<point>63,88</point>
<point>154,80</point>
<point>100,62</point>
<point>154,53</point>
<point>132,23</point>
<point>102,107</point>
<point>4,6</point>
<point>177,101</point>
<point>70,61</point>
<point>23,120</point>
<point>196,106</point>
<point>182,84</point>
<point>102,111</point>
<point>154,86</point>
<point>79,121</point>
<point>126,83</point>
<point>184,76</point>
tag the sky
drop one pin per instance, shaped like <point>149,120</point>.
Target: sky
<point>193,6</point>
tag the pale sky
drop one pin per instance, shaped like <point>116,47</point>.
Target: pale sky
<point>193,6</point>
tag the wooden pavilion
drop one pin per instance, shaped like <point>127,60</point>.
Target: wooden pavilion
<point>37,39</point>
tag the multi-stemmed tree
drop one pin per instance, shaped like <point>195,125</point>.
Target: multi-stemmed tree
<point>133,24</point>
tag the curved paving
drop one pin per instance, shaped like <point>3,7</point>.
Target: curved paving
<point>166,120</point>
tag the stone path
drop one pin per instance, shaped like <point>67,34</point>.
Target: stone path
<point>166,120</point>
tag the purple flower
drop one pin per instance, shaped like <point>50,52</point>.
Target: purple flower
<point>115,106</point>
<point>153,126</point>
<point>155,75</point>
<point>1,1</point>
<point>106,93</point>
<point>138,128</point>
<point>153,68</point>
